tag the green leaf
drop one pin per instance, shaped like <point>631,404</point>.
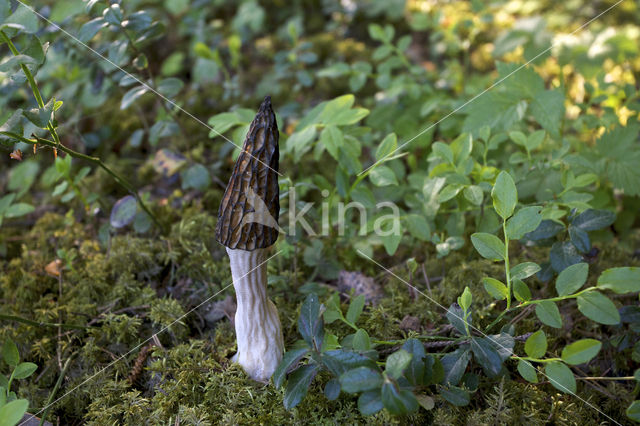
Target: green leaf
<point>549,314</point>
<point>24,370</point>
<point>332,389</point>
<point>486,356</point>
<point>383,176</point>
<point>360,379</point>
<point>596,306</point>
<point>581,351</point>
<point>415,371</point>
<point>339,361</point>
<point>443,151</point>
<point>387,146</point>
<point>355,308</point>
<point>196,177</point>
<point>13,63</point>
<point>18,210</point>
<point>91,28</point>
<point>398,401</point>
<point>505,195</point>
<point>132,95</point>
<point>536,345</point>
<point>524,270</point>
<point>561,377</point>
<point>10,353</point>
<point>547,107</point>
<point>473,194</point>
<point>489,246</point>
<point>519,138</point>
<point>40,116</point>
<point>418,226</point>
<point>620,280</point>
<point>289,360</point>
<point>5,202</point>
<point>361,341</point>
<point>456,396</point>
<point>572,278</point>
<point>12,412</point>
<point>521,291</point>
<point>298,385</point>
<point>454,365</point>
<point>455,315</point>
<point>465,299</point>
<point>170,87</point>
<point>123,212</point>
<point>527,371</point>
<point>580,239</point>
<point>397,362</point>
<point>310,323</point>
<point>333,140</point>
<point>563,254</point>
<point>633,411</point>
<point>370,402</point>
<point>524,221</point>
<point>495,288</point>
<point>449,192</point>
<point>592,220</point>
<point>23,18</point>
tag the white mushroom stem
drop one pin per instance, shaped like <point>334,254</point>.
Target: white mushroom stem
<point>258,330</point>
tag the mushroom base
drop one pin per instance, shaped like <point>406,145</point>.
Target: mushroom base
<point>258,329</point>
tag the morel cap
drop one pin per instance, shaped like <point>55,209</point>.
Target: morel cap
<point>248,214</point>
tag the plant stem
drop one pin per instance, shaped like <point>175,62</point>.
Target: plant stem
<point>32,83</point>
<point>555,299</point>
<point>506,263</point>
<point>541,360</point>
<point>41,324</point>
<point>55,390</point>
<point>93,160</point>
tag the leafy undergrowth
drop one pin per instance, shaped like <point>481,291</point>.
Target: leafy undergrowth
<point>135,287</point>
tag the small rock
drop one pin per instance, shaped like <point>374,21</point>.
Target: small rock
<point>410,323</point>
<point>361,284</point>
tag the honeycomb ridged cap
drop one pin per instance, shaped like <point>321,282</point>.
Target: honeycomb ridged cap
<point>251,200</point>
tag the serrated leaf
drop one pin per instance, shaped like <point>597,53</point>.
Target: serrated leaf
<point>572,278</point>
<point>547,107</point>
<point>581,351</point>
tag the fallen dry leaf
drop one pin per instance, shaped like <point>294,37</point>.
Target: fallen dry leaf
<point>53,268</point>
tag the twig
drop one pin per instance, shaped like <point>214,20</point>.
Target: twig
<point>426,279</point>
<point>42,324</point>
